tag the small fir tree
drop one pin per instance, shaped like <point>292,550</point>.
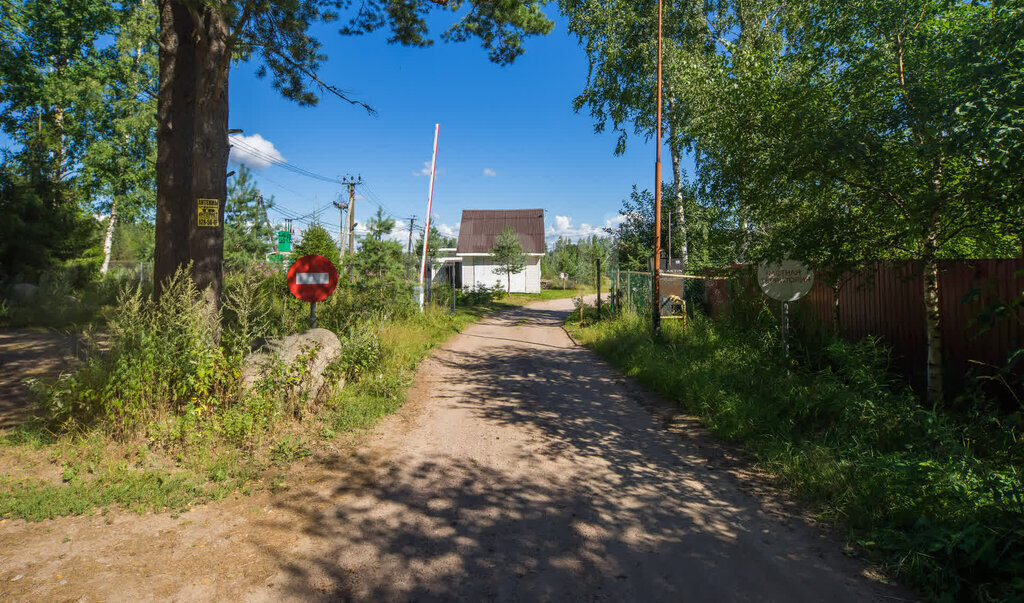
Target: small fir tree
<point>317,241</point>
<point>246,233</point>
<point>508,255</point>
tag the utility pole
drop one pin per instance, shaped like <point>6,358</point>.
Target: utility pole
<point>341,225</point>
<point>655,285</point>
<point>266,217</point>
<point>351,184</point>
<point>412,220</point>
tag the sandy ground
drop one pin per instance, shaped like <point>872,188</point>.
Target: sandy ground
<point>521,468</point>
<point>24,354</point>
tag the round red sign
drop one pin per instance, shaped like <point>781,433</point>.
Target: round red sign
<point>312,278</point>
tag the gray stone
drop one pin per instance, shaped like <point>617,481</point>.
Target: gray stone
<point>286,350</point>
<point>24,293</point>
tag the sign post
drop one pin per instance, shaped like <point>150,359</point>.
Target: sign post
<point>785,281</point>
<point>312,278</point>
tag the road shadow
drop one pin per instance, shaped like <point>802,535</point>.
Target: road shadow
<point>599,502</point>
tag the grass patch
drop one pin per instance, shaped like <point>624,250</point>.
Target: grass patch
<point>936,499</point>
<point>521,299</point>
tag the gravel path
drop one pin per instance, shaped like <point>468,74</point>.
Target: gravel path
<point>522,468</point>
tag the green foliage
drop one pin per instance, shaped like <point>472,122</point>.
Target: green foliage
<point>317,241</point>
<point>508,254</point>
<point>378,285</point>
<point>578,261</point>
<point>42,227</point>
<point>133,242</point>
<point>938,500</point>
<point>139,491</point>
<point>380,224</point>
<point>76,86</point>
<point>247,234</point>
<point>479,296</point>
<point>361,353</point>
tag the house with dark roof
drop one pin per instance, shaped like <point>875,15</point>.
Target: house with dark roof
<point>476,239</point>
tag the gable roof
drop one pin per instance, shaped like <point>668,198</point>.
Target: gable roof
<point>480,227</point>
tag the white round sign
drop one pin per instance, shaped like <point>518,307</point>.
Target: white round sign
<point>786,280</point>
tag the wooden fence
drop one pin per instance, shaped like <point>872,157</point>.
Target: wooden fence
<point>888,301</point>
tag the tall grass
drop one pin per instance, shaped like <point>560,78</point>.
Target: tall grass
<point>936,499</point>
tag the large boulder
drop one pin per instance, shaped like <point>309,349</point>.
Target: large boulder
<point>321,343</point>
<point>24,293</point>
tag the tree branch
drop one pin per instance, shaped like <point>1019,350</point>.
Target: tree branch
<point>309,73</point>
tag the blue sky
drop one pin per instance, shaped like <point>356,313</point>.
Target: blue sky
<point>509,137</point>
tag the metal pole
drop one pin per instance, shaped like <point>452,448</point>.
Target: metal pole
<point>655,289</point>
<point>785,330</point>
<point>312,315</point>
<point>599,288</point>
<point>430,201</point>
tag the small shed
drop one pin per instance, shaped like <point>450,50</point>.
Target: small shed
<point>476,239</point>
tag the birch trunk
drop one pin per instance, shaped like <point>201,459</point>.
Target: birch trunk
<point>108,240</point>
<point>837,285</point>
<point>677,177</point>
<point>933,325</point>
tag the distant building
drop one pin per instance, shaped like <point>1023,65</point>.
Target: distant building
<point>476,239</point>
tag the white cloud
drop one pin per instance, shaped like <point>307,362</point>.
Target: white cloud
<point>448,230</point>
<point>490,173</point>
<point>253,151</point>
<point>563,227</point>
<point>425,170</point>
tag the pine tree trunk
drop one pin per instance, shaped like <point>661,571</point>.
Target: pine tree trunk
<point>932,319</point>
<point>210,152</point>
<point>175,117</point>
<point>192,144</point>
<point>108,240</point>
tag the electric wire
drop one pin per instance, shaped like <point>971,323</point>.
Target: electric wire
<point>259,154</point>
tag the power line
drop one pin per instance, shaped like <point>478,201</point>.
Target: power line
<point>259,154</point>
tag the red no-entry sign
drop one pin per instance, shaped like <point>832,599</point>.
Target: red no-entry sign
<point>312,278</point>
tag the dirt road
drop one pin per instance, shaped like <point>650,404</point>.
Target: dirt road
<point>522,468</point>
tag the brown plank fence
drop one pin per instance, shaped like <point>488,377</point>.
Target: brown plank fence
<point>887,301</point>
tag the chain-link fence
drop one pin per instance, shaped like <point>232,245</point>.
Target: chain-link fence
<point>680,294</point>
<point>129,270</point>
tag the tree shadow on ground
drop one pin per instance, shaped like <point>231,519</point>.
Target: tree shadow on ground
<point>597,501</point>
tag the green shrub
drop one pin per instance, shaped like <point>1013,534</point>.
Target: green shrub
<point>166,379</point>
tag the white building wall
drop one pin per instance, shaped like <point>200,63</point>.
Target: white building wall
<point>478,271</point>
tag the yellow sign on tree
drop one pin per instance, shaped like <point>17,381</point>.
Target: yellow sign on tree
<point>208,212</point>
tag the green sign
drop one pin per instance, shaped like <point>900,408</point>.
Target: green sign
<point>284,240</point>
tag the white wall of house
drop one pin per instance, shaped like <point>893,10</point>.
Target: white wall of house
<point>479,271</point>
